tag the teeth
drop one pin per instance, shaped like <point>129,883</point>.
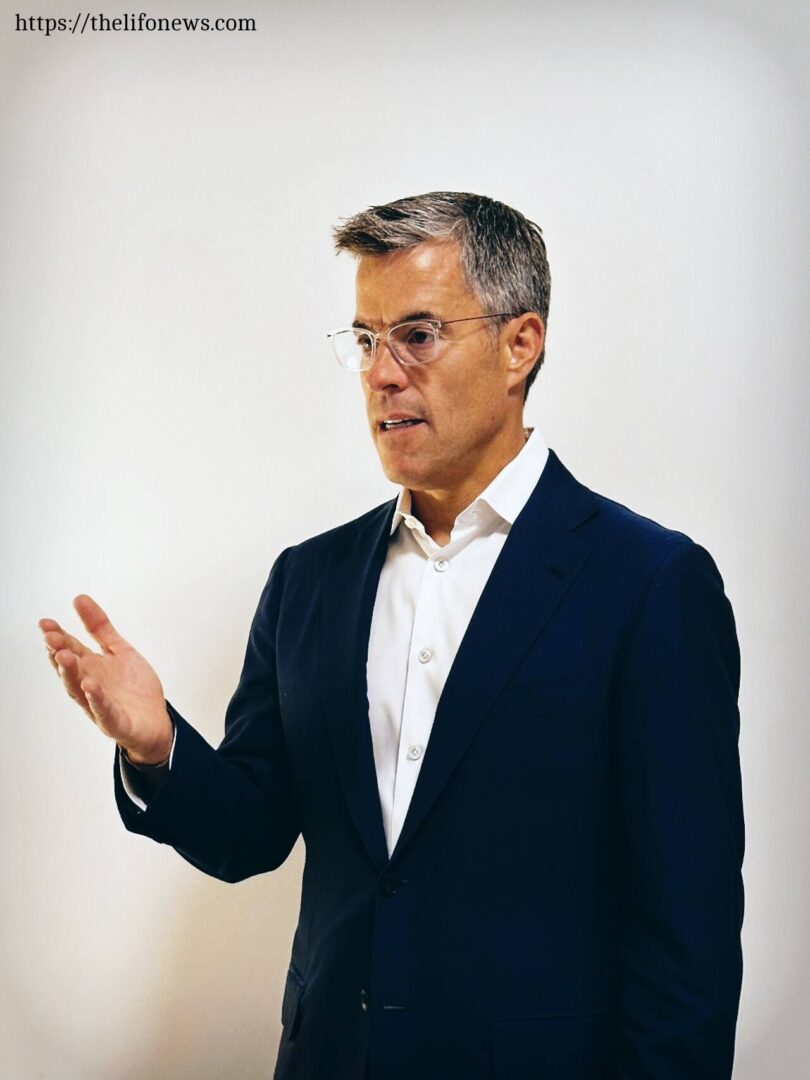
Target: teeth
<point>398,423</point>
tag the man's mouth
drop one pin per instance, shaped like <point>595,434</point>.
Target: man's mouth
<point>392,425</point>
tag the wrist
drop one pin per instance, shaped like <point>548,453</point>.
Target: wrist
<point>151,762</point>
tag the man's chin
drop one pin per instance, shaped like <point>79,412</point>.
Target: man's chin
<point>401,471</point>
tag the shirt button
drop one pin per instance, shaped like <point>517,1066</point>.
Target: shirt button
<point>414,752</point>
<point>424,655</point>
<point>364,1000</point>
<point>441,565</point>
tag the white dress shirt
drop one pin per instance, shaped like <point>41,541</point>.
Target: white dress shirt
<point>424,603</point>
<point>425,600</point>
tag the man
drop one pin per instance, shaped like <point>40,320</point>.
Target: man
<point>501,709</point>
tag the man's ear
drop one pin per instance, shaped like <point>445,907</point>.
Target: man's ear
<point>525,340</point>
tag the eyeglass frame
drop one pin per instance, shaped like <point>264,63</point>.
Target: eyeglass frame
<point>437,324</point>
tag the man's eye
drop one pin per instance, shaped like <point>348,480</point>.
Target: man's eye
<point>418,337</point>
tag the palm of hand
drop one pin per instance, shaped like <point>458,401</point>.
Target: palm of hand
<point>130,682</point>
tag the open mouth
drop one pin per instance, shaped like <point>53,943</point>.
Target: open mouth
<point>395,425</point>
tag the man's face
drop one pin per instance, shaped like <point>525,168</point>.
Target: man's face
<point>466,399</point>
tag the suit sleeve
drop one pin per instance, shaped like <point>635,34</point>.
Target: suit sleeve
<point>682,827</point>
<point>231,812</point>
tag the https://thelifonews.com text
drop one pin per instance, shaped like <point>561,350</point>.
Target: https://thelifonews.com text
<point>87,22</point>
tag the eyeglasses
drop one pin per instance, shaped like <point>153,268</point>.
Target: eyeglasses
<point>415,342</point>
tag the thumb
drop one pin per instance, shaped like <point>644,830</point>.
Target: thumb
<point>97,624</point>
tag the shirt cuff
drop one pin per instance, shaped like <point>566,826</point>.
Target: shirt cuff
<point>141,784</point>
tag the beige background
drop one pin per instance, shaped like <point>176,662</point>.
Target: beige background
<point>171,418</point>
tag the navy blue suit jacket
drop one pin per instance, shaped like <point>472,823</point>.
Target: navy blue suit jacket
<point>565,899</point>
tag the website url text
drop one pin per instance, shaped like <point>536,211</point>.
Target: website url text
<point>140,22</point>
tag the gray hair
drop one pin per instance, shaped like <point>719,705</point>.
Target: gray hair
<point>503,255</point>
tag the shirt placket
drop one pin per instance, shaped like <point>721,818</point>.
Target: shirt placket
<point>426,672</point>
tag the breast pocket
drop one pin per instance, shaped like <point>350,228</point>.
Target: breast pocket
<point>580,1046</point>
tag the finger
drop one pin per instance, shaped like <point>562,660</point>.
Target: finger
<point>54,641</point>
<point>49,626</point>
<point>97,624</point>
<point>51,660</point>
<point>67,664</point>
<point>60,639</point>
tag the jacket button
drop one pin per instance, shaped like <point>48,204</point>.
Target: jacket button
<point>388,885</point>
<point>364,1000</point>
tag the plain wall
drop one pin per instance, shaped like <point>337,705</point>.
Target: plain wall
<point>171,418</point>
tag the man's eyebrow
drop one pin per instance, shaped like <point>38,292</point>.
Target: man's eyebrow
<point>412,316</point>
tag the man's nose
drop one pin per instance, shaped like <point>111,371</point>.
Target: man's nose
<point>385,370</point>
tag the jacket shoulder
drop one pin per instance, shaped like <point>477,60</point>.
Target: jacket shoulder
<point>632,525</point>
<point>634,541</point>
<point>626,547</point>
<point>603,523</point>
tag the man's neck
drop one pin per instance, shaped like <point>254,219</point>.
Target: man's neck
<point>438,510</point>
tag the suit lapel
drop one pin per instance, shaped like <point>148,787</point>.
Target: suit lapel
<point>540,559</point>
<point>537,565</point>
<point>351,577</point>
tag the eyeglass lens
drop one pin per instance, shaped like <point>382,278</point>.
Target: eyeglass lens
<point>411,343</point>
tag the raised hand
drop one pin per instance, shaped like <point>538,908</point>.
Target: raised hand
<point>117,688</point>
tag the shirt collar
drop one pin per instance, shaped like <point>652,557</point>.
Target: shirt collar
<point>506,494</point>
